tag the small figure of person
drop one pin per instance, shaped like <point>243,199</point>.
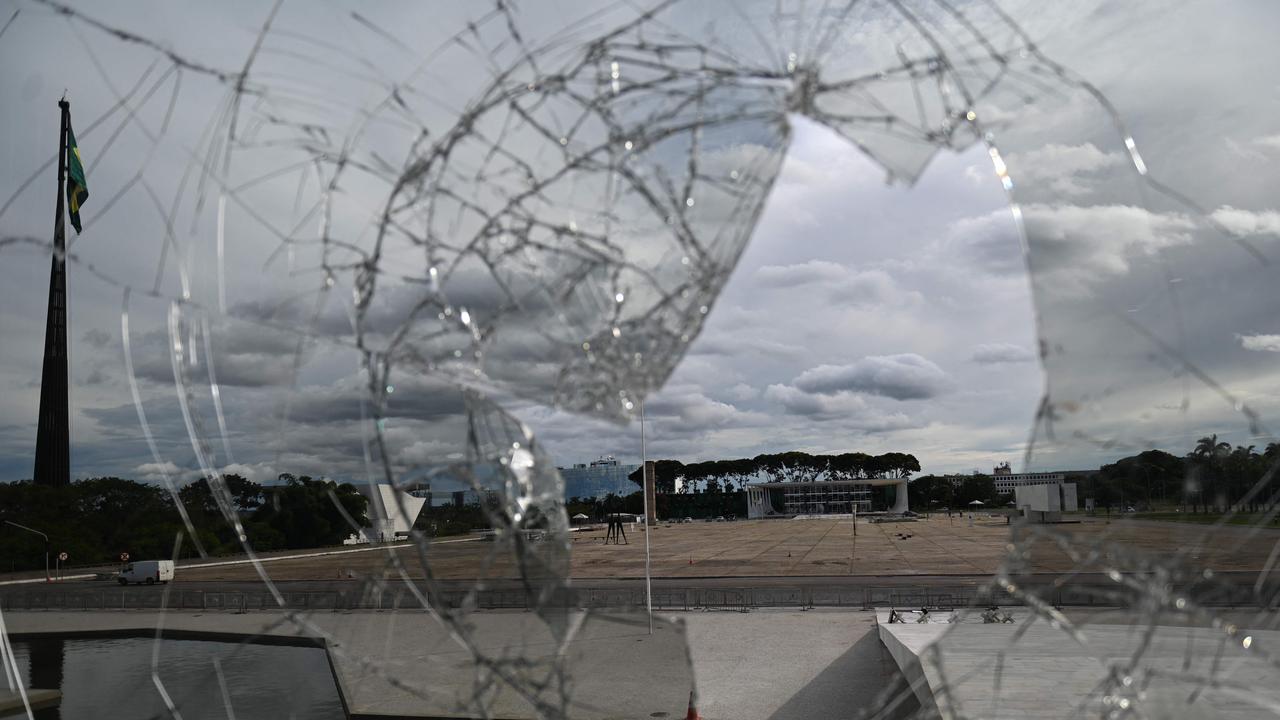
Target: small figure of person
<point>616,531</point>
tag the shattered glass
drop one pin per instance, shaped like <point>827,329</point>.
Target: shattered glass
<point>513,204</point>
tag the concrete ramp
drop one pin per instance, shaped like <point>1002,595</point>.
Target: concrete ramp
<point>1028,670</point>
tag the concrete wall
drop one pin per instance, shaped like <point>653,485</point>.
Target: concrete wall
<point>1046,503</point>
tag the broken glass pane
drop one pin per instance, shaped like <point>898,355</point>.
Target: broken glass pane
<point>382,233</point>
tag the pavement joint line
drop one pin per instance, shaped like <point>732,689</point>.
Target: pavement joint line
<point>247,561</point>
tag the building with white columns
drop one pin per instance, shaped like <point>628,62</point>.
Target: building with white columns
<point>824,497</point>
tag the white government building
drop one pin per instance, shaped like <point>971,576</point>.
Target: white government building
<point>821,497</point>
<point>1007,481</point>
<point>1041,495</point>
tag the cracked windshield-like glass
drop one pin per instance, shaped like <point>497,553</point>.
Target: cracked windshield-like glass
<point>707,359</point>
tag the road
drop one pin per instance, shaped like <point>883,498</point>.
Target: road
<point>1091,589</point>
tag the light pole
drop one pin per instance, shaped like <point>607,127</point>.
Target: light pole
<point>644,474</point>
<point>46,544</point>
<point>1146,469</point>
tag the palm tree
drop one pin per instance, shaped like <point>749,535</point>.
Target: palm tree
<point>1209,446</point>
<point>1209,453</point>
<point>1240,472</point>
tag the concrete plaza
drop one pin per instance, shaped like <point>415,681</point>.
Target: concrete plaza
<point>805,548</point>
<point>1111,664</point>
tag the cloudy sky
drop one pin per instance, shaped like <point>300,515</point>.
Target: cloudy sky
<point>863,315</point>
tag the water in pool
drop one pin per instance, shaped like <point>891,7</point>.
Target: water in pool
<point>111,678</point>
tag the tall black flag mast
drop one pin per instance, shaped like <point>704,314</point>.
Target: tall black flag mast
<point>53,437</point>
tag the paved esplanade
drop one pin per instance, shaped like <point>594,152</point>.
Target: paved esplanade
<point>788,550</point>
<point>765,665</point>
<point>805,548</point>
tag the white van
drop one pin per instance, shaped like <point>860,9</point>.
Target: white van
<point>146,571</point>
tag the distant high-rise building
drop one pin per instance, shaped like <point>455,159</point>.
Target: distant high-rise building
<point>598,478</point>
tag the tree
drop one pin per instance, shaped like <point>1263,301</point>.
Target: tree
<point>1145,475</point>
<point>303,511</point>
<point>976,487</point>
<point>848,466</point>
<point>1208,455</point>
<point>930,492</point>
<point>898,465</point>
<point>794,466</point>
<point>665,473</point>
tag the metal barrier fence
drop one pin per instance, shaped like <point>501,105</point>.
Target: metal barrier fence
<point>664,598</point>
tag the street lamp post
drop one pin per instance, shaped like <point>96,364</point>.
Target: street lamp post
<point>644,475</point>
<point>46,544</point>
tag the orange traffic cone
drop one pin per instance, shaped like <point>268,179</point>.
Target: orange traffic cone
<point>693,711</point>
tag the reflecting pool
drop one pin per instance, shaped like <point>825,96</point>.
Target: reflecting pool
<point>205,680</point>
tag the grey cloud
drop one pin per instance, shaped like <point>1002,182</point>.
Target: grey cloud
<point>988,242</point>
<point>808,273</point>
<point>799,402</point>
<point>852,411</point>
<point>902,377</point>
<point>689,410</point>
<point>725,344</point>
<point>97,337</point>
<point>1075,247</point>
<point>97,377</point>
<point>244,355</point>
<point>410,398</point>
<point>833,282</point>
<point>999,353</point>
<point>870,287</point>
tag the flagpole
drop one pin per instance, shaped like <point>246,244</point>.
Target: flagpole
<point>648,530</point>
<point>53,454</point>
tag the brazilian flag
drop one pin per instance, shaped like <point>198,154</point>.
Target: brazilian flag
<point>77,189</point>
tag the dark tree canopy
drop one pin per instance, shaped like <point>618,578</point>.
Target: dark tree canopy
<point>95,519</point>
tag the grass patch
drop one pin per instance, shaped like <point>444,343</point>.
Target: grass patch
<point>1213,518</point>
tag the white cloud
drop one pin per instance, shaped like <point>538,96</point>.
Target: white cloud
<point>902,377</point>
<point>1261,343</point>
<point>257,472</point>
<point>1248,222</point>
<point>156,472</point>
<point>1058,168</point>
<point>1271,142</point>
<point>427,452</point>
<point>806,273</point>
<point>1073,247</point>
<point>836,283</point>
<point>998,353</point>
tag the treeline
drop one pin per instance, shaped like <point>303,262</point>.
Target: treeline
<point>715,476</point>
<point>1213,476</point>
<point>96,519</point>
<point>932,492</point>
<point>668,506</point>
